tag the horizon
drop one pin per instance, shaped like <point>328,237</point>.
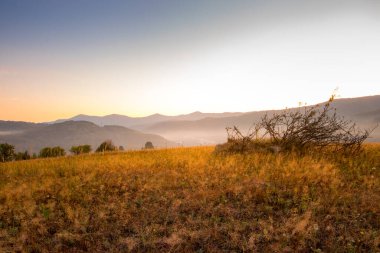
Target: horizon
<point>182,114</point>
<point>139,58</point>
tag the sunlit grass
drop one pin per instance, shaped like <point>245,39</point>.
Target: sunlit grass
<point>189,199</point>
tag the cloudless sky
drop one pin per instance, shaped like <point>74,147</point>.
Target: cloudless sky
<point>62,58</point>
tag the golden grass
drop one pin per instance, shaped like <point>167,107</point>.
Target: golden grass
<point>189,200</point>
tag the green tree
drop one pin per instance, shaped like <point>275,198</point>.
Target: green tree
<point>82,149</point>
<point>52,152</point>
<point>22,156</point>
<point>45,152</point>
<point>58,151</point>
<point>106,146</point>
<point>149,145</point>
<point>7,152</point>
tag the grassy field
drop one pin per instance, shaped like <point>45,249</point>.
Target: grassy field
<point>190,200</point>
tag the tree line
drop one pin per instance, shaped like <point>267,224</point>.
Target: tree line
<point>8,153</point>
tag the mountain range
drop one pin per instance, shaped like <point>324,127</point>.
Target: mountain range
<point>189,129</point>
<point>364,111</point>
<point>209,128</point>
<point>142,122</point>
<point>33,137</point>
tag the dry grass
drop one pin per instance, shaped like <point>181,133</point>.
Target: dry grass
<point>189,200</point>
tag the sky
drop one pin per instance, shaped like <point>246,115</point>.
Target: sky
<point>63,58</point>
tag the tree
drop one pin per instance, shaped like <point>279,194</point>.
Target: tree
<point>7,152</point>
<point>58,151</point>
<point>52,152</point>
<point>22,156</point>
<point>149,145</point>
<point>121,148</point>
<point>82,149</point>
<point>106,146</point>
<point>45,152</point>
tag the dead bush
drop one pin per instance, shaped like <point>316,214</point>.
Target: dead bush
<point>310,128</point>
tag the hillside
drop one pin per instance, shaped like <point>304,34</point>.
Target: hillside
<point>189,200</point>
<point>66,134</point>
<point>9,127</point>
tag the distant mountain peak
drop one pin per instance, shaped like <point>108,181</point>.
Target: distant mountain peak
<point>76,122</point>
<point>81,115</point>
<point>116,115</point>
<point>156,114</point>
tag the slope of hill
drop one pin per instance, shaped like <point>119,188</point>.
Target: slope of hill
<point>361,107</point>
<point>17,125</point>
<point>67,134</point>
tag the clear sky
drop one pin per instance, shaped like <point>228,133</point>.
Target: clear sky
<point>62,58</point>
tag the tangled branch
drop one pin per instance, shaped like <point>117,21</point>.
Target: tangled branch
<point>318,127</point>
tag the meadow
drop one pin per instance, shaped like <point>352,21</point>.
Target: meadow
<point>191,200</point>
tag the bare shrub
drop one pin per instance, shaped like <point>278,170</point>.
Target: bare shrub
<point>237,142</point>
<point>313,128</point>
